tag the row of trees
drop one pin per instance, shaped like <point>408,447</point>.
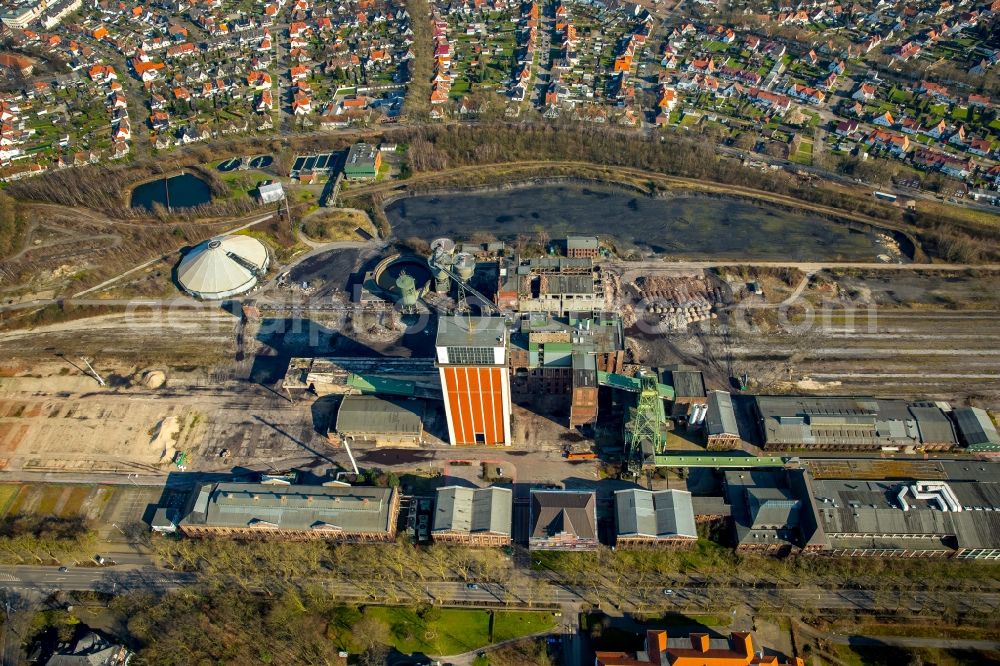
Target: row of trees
<point>33,538</point>
<point>231,626</point>
<point>722,566</point>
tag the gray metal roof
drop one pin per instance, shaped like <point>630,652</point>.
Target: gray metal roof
<point>721,418</point>
<point>792,484</point>
<point>271,192</point>
<point>372,415</point>
<point>567,284</point>
<point>581,243</point>
<point>846,421</point>
<point>661,514</point>
<point>471,332</point>
<point>361,154</point>
<point>933,424</point>
<point>773,508</point>
<point>563,511</point>
<point>584,370</point>
<point>337,508</point>
<point>473,510</point>
<point>857,510</point>
<point>975,427</point>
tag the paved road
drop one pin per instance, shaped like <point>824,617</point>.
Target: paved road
<point>910,642</point>
<point>540,592</point>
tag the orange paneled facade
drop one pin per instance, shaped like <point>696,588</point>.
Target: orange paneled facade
<point>476,398</point>
<point>475,380</point>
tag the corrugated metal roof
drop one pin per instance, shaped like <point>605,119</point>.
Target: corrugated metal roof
<point>661,514</point>
<point>340,508</point>
<point>976,428</point>
<point>473,510</point>
<point>688,383</point>
<point>369,414</point>
<point>934,426</point>
<point>852,511</point>
<point>568,284</point>
<point>805,420</point>
<point>720,418</point>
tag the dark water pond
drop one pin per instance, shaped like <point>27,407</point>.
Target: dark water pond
<point>688,226</point>
<point>178,192</point>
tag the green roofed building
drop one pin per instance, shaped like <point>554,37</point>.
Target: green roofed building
<point>350,514</point>
<point>363,161</point>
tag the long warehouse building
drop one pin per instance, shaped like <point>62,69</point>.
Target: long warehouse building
<point>350,514</point>
<point>852,424</point>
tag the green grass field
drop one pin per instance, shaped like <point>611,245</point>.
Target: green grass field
<point>804,154</point>
<point>20,497</point>
<point>512,624</point>
<point>449,631</point>
<point>446,632</point>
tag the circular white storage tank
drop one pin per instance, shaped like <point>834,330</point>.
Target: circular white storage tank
<point>222,267</point>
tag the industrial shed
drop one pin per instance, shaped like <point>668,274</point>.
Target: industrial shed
<point>721,426</point>
<point>648,518</point>
<point>383,421</point>
<point>363,162</point>
<point>852,424</point>
<point>271,193</point>
<point>473,516</point>
<point>290,512</point>
<point>582,246</point>
<point>910,519</point>
<point>975,429</point>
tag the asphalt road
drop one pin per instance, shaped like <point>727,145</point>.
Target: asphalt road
<point>41,580</point>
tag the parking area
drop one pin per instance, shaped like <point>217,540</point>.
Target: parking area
<point>478,473</point>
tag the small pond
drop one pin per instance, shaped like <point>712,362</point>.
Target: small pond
<point>176,193</point>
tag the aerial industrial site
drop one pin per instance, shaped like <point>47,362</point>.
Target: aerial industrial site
<point>541,396</point>
<point>428,332</point>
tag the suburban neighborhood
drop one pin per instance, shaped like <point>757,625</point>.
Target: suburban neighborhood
<point>901,94</point>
